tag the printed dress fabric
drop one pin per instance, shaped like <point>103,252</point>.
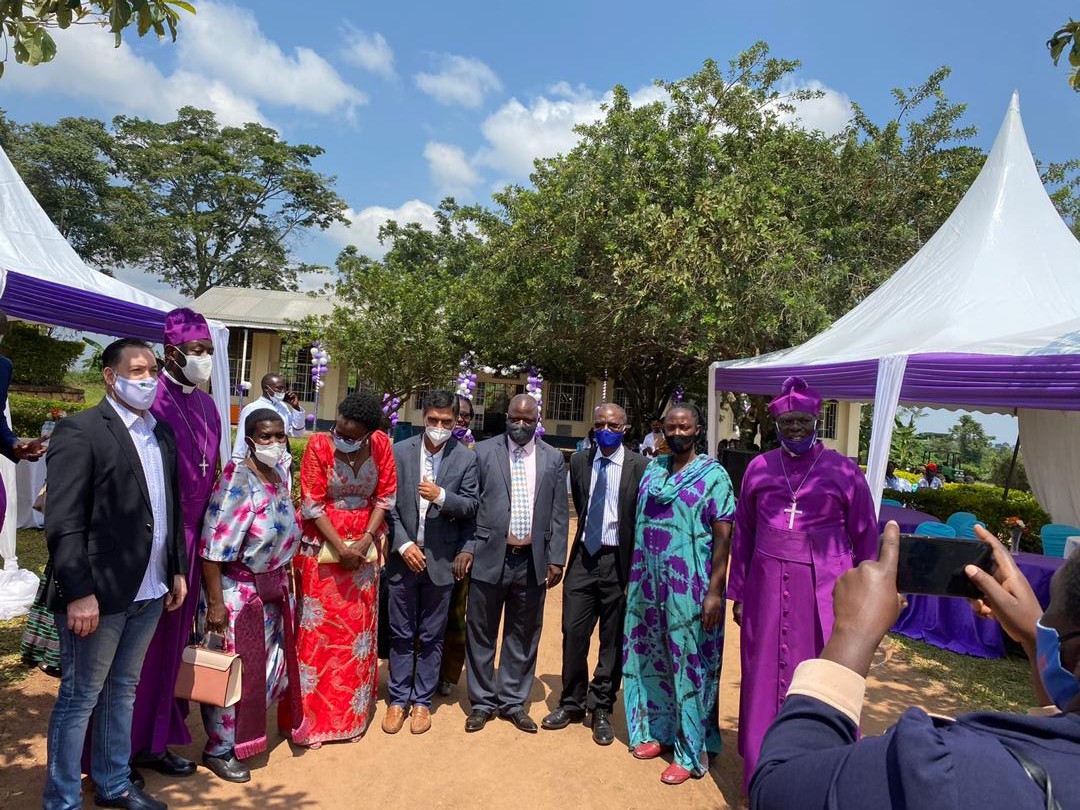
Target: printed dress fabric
<point>671,663</point>
<point>254,524</point>
<point>339,609</point>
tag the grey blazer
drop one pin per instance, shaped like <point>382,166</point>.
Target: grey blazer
<point>551,514</point>
<point>447,529</point>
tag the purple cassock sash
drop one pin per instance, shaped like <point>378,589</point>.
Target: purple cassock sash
<point>250,636</point>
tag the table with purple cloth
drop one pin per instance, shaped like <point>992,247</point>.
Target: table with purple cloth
<point>951,624</point>
<point>906,519</point>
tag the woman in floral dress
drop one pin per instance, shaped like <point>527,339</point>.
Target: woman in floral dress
<point>674,630</point>
<point>347,483</point>
<point>250,534</point>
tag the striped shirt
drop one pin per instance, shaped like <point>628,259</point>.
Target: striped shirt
<point>610,537</point>
<point>141,429</point>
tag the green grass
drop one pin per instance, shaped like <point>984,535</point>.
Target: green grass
<point>30,544</point>
<point>90,382</point>
<point>994,684</point>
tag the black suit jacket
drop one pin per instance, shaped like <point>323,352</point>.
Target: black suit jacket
<point>633,468</point>
<point>99,523</point>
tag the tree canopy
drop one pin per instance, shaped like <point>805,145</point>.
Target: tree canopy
<point>1068,36</point>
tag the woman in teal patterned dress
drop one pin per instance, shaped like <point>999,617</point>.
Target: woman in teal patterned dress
<point>674,631</point>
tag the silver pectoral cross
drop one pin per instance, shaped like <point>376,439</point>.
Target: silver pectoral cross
<point>792,512</point>
<point>203,466</point>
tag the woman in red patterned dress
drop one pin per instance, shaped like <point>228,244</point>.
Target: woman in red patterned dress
<point>347,483</point>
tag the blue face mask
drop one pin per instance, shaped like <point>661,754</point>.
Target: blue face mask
<point>800,447</point>
<point>1060,684</point>
<point>608,438</point>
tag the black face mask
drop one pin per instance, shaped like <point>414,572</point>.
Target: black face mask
<point>679,444</point>
<point>520,435</point>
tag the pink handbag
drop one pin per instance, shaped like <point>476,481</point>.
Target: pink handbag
<point>209,676</point>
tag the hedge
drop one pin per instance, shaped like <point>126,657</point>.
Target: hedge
<point>40,359</point>
<point>985,502</point>
<point>29,412</point>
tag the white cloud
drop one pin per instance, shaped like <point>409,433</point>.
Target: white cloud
<point>370,51</point>
<point>450,169</point>
<point>363,227</point>
<point>224,63</point>
<point>830,113</point>
<point>461,80</point>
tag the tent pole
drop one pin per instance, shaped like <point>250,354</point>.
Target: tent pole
<point>243,365</point>
<point>1012,468</point>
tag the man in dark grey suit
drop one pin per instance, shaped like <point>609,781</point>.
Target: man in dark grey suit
<point>517,554</point>
<point>604,485</point>
<point>432,520</point>
<point>117,560</point>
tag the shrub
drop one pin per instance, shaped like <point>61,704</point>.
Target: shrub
<point>29,412</point>
<point>985,502</point>
<point>39,358</point>
<point>911,478</point>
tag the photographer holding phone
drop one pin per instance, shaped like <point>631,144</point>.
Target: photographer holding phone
<point>812,757</point>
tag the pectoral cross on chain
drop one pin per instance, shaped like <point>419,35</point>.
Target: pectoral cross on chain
<point>792,512</point>
<point>203,466</point>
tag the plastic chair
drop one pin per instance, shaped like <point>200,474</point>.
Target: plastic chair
<point>933,529</point>
<point>890,502</point>
<point>1054,536</point>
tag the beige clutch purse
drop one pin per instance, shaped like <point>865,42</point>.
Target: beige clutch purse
<point>328,554</point>
<point>209,676</point>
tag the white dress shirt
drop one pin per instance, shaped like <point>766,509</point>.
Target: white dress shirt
<point>294,420</point>
<point>430,461</point>
<point>154,583</point>
<point>610,536</point>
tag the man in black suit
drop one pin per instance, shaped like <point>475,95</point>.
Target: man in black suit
<point>604,485</point>
<point>115,535</point>
<point>432,520</point>
<point>518,552</point>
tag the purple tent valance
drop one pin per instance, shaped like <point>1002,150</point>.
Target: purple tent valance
<point>38,300</point>
<point>968,380</point>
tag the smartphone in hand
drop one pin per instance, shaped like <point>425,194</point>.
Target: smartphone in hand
<point>935,565</point>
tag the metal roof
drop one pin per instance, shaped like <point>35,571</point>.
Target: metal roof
<point>261,309</point>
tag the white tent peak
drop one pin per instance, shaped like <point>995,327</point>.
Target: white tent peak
<point>1004,263</point>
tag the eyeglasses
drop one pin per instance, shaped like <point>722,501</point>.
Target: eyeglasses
<point>615,426</point>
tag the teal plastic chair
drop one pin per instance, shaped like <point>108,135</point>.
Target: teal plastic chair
<point>964,523</point>
<point>890,502</point>
<point>1054,536</point>
<point>933,529</point>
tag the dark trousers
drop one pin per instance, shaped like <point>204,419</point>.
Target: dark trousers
<point>592,592</point>
<point>453,655</point>
<point>521,598</point>
<point>418,609</point>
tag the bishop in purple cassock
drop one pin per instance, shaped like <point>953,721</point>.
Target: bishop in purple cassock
<point>159,718</point>
<point>804,516</point>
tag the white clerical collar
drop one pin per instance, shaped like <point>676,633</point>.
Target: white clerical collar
<point>187,389</point>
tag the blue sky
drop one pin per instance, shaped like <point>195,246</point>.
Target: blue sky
<point>415,101</point>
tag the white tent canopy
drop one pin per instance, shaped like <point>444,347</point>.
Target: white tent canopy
<point>986,313</point>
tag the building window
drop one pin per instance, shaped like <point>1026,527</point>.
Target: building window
<point>418,399</point>
<point>827,428</point>
<point>565,402</point>
<point>238,374</point>
<point>496,394</point>
<point>355,384</point>
<point>621,397</point>
<point>295,367</point>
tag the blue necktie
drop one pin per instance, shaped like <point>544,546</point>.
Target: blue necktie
<point>594,521</point>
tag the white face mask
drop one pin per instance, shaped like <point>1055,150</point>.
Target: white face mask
<point>197,368</point>
<point>269,454</point>
<point>278,395</point>
<point>138,394</point>
<point>438,435</point>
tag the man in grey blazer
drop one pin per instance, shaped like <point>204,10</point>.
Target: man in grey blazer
<point>431,522</point>
<point>518,552</point>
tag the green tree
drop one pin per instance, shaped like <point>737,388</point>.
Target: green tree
<point>970,440</point>
<point>1068,36</point>
<point>25,24</point>
<point>211,205</point>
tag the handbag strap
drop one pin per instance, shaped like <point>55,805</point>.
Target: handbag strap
<point>1036,772</point>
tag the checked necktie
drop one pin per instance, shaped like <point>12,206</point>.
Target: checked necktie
<point>594,523</point>
<point>520,507</point>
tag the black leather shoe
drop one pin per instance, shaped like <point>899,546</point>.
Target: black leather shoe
<point>136,778</point>
<point>603,733</point>
<point>477,720</point>
<point>168,763</point>
<point>561,718</point>
<point>521,719</point>
<point>132,799</point>
<point>227,767</point>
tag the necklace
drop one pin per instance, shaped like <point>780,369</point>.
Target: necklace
<point>792,511</point>
<point>203,465</point>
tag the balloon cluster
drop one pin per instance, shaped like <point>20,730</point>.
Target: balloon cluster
<point>466,380</point>
<point>390,407</point>
<point>534,388</point>
<point>320,358</point>
<point>678,394</point>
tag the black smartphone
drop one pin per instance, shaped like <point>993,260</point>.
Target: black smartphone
<point>935,565</point>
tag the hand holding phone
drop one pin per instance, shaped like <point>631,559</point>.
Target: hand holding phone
<point>935,565</point>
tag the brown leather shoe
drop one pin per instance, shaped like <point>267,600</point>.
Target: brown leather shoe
<point>421,719</point>
<point>394,720</point>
